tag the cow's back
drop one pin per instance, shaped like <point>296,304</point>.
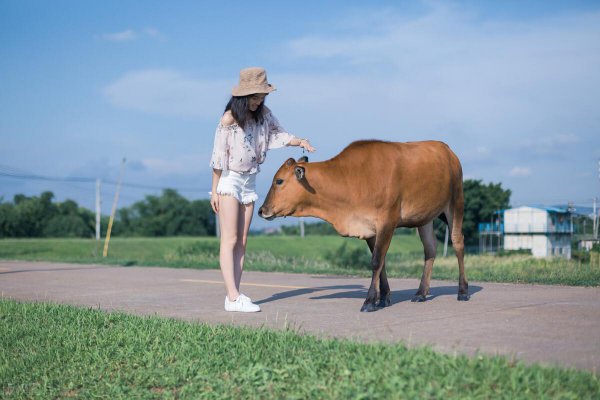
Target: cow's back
<point>413,178</point>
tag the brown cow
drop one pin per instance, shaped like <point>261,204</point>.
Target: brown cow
<point>371,188</point>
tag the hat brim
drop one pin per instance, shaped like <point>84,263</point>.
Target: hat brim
<point>246,91</point>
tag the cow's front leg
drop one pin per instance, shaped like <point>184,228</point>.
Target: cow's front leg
<point>380,248</point>
<point>385,295</point>
<point>384,287</point>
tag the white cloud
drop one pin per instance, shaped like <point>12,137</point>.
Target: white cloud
<point>180,165</point>
<point>482,150</point>
<point>520,171</point>
<point>550,145</point>
<point>153,32</point>
<point>122,36</point>
<point>130,35</point>
<point>167,92</point>
<point>496,79</point>
<point>560,140</point>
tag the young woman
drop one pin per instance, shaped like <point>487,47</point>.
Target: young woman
<point>246,131</point>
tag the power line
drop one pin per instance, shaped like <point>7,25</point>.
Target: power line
<point>150,187</point>
<point>45,178</point>
<point>9,172</point>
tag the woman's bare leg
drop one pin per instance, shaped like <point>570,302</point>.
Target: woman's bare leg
<point>229,217</point>
<point>245,218</point>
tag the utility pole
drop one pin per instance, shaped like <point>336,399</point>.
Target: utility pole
<point>491,236</point>
<point>595,224</point>
<point>596,219</point>
<point>446,242</point>
<point>571,209</point>
<point>98,209</point>
<point>114,210</point>
<point>301,226</point>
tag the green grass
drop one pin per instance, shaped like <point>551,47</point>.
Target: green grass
<point>154,249</point>
<point>312,254</point>
<point>57,351</point>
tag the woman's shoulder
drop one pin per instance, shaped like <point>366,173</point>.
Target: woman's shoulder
<point>267,111</point>
<point>227,119</point>
<point>268,114</point>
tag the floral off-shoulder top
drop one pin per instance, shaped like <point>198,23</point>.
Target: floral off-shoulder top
<point>242,150</point>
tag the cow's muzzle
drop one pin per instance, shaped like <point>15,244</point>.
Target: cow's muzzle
<point>265,214</point>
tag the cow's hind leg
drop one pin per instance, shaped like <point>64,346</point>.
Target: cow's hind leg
<point>429,247</point>
<point>380,248</point>
<point>455,220</point>
<point>384,286</point>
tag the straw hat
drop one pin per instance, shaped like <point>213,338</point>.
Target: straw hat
<point>252,80</point>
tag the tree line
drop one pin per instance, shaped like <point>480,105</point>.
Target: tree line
<point>171,214</point>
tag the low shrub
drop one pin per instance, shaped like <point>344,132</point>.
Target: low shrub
<point>198,248</point>
<point>581,255</point>
<point>349,258</point>
<point>508,253</point>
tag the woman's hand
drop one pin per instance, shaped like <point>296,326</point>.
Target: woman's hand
<point>214,201</point>
<point>305,144</point>
<point>214,197</point>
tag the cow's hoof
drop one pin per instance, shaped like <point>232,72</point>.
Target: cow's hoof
<point>369,307</point>
<point>384,303</point>
<point>463,297</point>
<point>419,298</point>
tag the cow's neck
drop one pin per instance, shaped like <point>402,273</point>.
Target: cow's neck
<point>327,198</point>
<point>327,182</point>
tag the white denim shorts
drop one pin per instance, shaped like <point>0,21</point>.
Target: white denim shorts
<point>240,186</point>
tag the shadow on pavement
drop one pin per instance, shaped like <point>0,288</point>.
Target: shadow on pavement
<point>300,292</point>
<point>360,292</point>
<point>50,269</point>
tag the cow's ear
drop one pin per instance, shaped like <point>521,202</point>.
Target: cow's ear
<point>303,159</point>
<point>299,171</point>
<point>290,162</point>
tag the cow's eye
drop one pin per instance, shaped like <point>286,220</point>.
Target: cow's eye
<point>279,181</point>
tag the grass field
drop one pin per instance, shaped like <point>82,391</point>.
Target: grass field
<point>57,351</point>
<point>312,254</point>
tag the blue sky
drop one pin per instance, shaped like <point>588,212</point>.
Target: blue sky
<point>513,87</point>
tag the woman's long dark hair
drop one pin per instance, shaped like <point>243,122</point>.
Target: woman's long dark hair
<point>240,112</point>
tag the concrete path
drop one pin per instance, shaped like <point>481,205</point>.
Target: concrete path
<point>534,323</point>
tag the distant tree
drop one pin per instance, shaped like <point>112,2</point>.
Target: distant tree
<point>67,226</point>
<point>41,217</point>
<point>202,219</point>
<point>312,228</point>
<point>169,214</point>
<point>31,214</point>
<point>583,224</point>
<point>7,220</point>
<point>481,201</point>
<point>70,221</point>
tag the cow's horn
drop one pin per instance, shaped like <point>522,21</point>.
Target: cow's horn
<point>299,171</point>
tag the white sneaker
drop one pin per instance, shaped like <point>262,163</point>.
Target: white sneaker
<point>241,304</point>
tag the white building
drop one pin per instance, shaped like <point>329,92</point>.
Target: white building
<point>546,231</point>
